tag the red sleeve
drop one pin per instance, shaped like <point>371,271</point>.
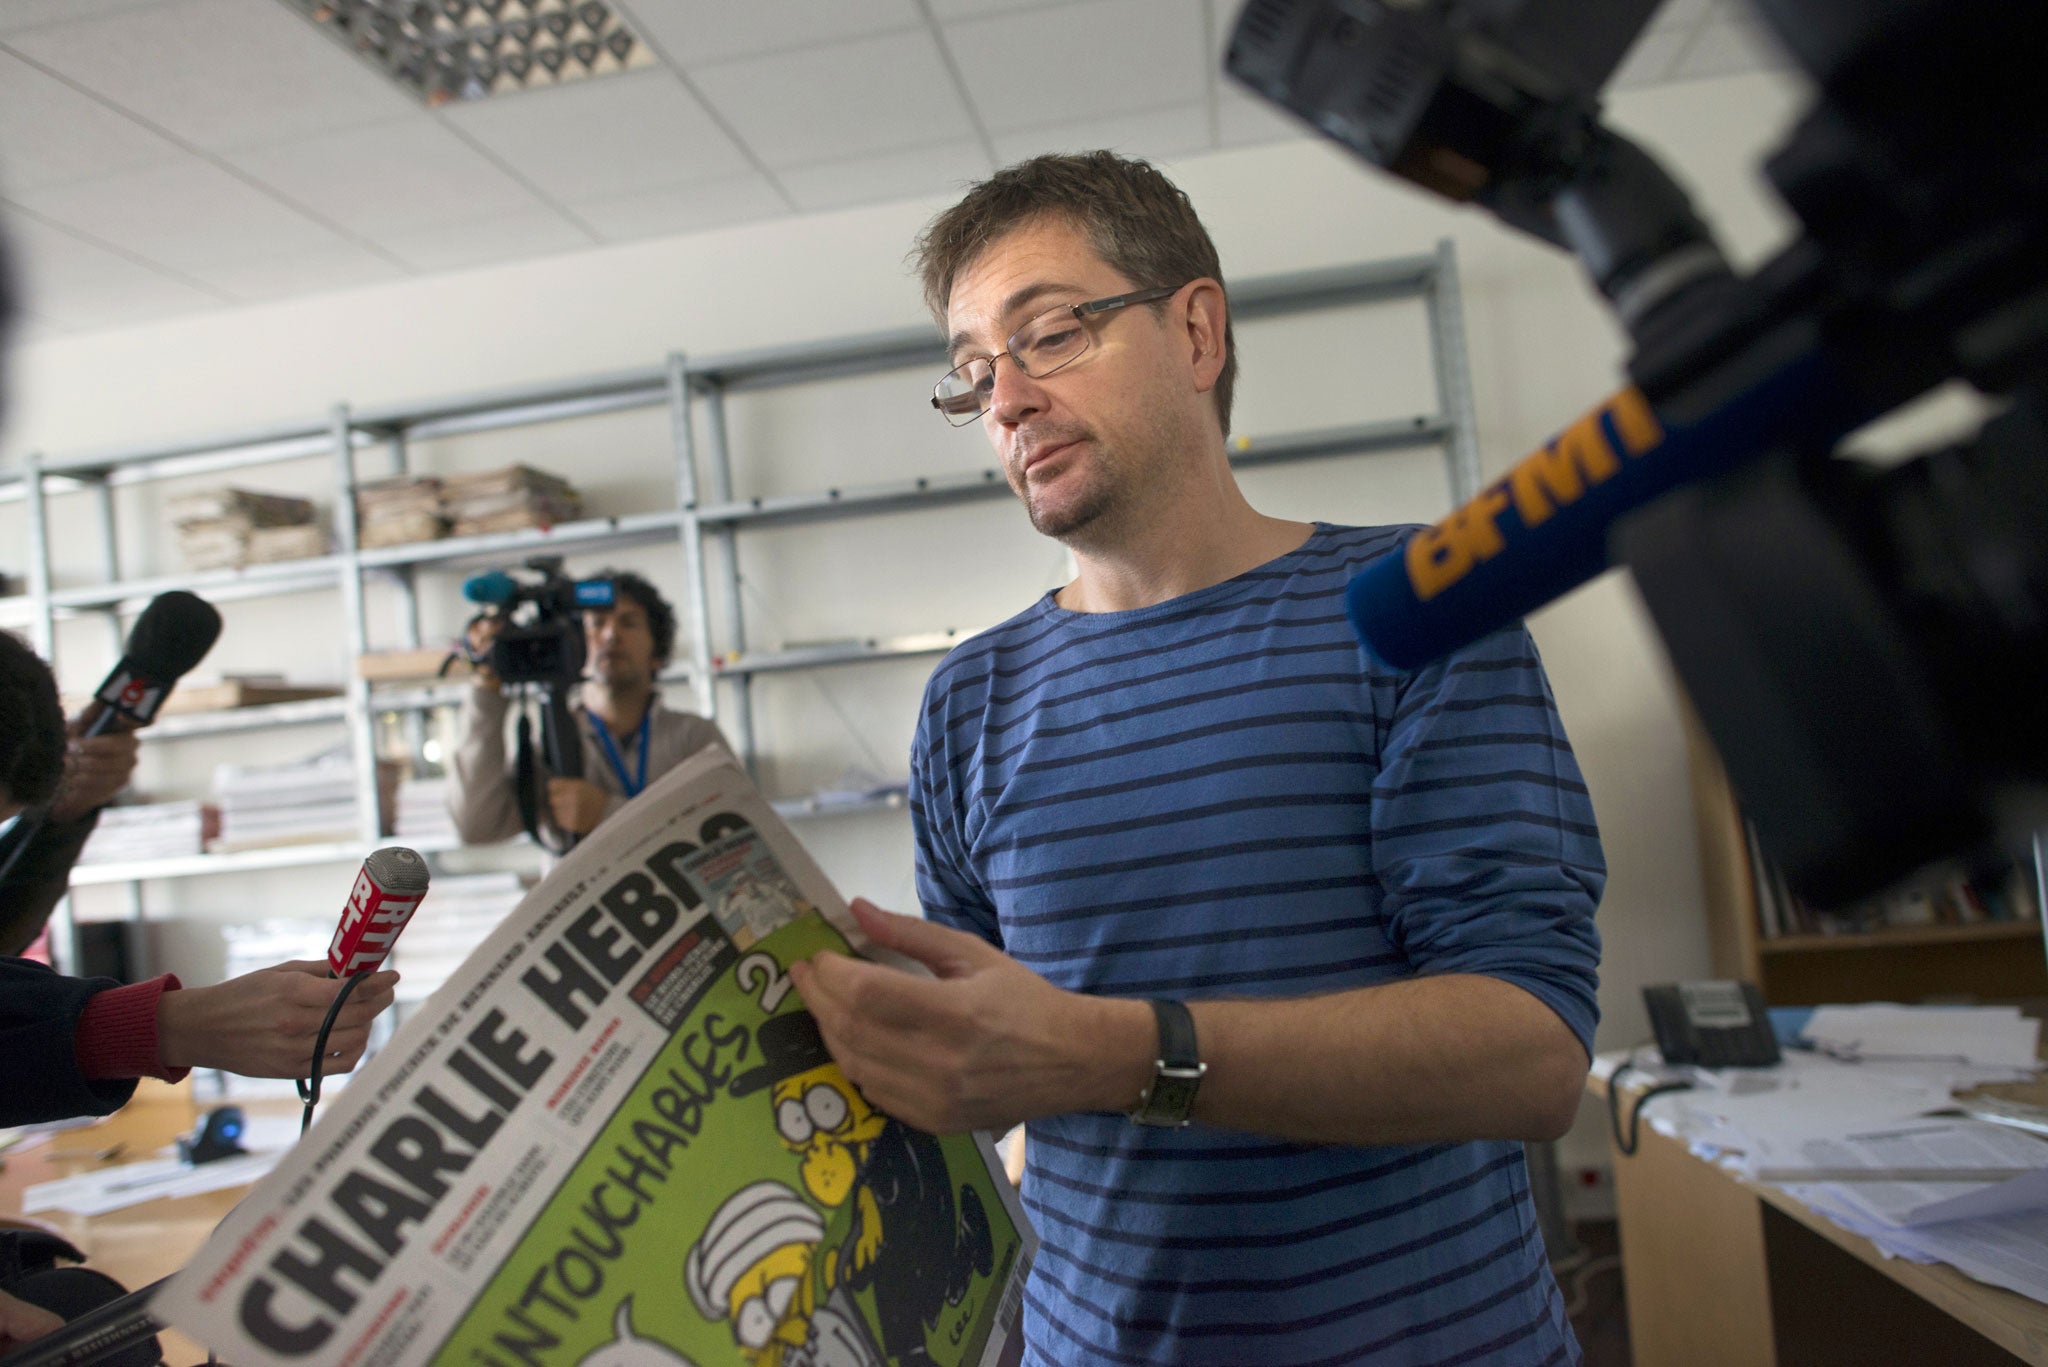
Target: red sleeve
<point>116,1034</point>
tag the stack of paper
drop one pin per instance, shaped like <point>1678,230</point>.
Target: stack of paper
<point>219,528</point>
<point>146,830</point>
<point>307,801</point>
<point>399,510</point>
<point>459,911</point>
<point>1854,1133</point>
<point>423,816</point>
<point>1987,1036</point>
<point>511,499</point>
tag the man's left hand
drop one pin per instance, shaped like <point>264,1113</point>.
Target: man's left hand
<point>983,1045</point>
<point>577,804</point>
<point>95,767</point>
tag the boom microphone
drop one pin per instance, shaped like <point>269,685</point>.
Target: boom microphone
<point>387,891</point>
<point>1543,529</point>
<point>173,633</point>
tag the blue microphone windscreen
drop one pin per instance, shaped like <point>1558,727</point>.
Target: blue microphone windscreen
<point>493,586</point>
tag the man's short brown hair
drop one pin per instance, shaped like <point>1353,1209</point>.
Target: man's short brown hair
<point>1137,220</point>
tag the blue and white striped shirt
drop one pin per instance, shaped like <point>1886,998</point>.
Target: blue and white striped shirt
<point>1222,795</point>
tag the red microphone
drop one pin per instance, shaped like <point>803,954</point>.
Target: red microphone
<point>387,892</point>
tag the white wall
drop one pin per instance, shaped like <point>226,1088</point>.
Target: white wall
<point>1541,350</point>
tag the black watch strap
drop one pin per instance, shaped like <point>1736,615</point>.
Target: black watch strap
<point>1177,1073</point>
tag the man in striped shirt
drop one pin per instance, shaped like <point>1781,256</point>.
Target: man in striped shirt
<point>1178,789</point>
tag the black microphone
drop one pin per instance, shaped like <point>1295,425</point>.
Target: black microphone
<point>173,633</point>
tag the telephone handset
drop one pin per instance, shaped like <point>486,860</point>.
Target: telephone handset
<point>1712,1024</point>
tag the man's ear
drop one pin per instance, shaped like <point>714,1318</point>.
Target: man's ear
<point>1207,311</point>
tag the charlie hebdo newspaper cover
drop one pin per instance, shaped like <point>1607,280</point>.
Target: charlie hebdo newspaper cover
<point>615,1139</point>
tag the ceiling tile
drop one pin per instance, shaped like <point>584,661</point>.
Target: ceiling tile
<point>1155,135</point>
<point>1726,47</point>
<point>187,216</point>
<point>946,168</point>
<point>81,285</point>
<point>692,33</point>
<point>413,173</point>
<point>615,136</point>
<point>341,266</point>
<point>1081,61</point>
<point>218,73</point>
<point>682,208</point>
<point>21,14</point>
<point>1651,59</point>
<point>50,133</point>
<point>872,95</point>
<point>485,242</point>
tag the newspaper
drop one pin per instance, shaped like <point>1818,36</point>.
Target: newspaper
<point>614,1139</point>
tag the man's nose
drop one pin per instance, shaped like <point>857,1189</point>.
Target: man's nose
<point>1015,395</point>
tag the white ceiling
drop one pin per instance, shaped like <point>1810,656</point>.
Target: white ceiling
<point>163,157</point>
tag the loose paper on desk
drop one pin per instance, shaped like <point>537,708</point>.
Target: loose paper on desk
<point>1881,1190</point>
<point>1986,1036</point>
<point>615,1135</point>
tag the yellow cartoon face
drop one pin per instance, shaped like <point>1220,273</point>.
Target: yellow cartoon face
<point>760,1299</point>
<point>822,1116</point>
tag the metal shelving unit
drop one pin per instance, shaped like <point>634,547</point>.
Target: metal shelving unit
<point>705,522</point>
<point>701,385</point>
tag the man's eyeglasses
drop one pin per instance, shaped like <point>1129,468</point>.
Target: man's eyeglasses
<point>1053,339</point>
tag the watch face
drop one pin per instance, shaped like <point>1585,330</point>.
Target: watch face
<point>1172,1097</point>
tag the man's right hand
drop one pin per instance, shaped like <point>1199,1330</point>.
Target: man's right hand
<point>480,635</point>
<point>263,1024</point>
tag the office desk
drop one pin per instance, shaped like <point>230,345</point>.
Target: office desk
<point>1726,1273</point>
<point>143,1243</point>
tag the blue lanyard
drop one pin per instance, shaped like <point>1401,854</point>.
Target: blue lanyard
<point>631,784</point>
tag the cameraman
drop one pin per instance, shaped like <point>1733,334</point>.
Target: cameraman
<point>629,738</point>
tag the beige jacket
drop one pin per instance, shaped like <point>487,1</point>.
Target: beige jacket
<point>481,796</point>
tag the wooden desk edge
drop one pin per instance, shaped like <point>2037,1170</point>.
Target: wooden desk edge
<point>2014,1322</point>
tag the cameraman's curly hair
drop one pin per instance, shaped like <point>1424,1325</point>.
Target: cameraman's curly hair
<point>31,725</point>
<point>661,618</point>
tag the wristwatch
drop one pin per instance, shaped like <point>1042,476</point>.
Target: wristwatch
<point>1177,1072</point>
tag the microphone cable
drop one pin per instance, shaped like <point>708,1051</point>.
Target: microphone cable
<point>309,1086</point>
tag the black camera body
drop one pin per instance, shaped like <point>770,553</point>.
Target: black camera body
<point>542,642</point>
<point>1867,645</point>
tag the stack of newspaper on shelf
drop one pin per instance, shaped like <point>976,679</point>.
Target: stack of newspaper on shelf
<point>228,527</point>
<point>615,1136</point>
<point>423,817</point>
<point>460,914</point>
<point>1888,1120</point>
<point>399,510</point>
<point>307,801</point>
<point>147,830</point>
<point>512,499</point>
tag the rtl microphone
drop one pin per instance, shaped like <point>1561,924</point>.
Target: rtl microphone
<point>1542,529</point>
<point>173,633</point>
<point>387,892</point>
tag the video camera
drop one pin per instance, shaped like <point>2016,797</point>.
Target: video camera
<point>1867,646</point>
<point>544,643</point>
<point>542,646</point>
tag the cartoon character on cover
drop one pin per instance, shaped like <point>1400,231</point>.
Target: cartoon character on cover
<point>752,1264</point>
<point>907,1241</point>
<point>629,1349</point>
